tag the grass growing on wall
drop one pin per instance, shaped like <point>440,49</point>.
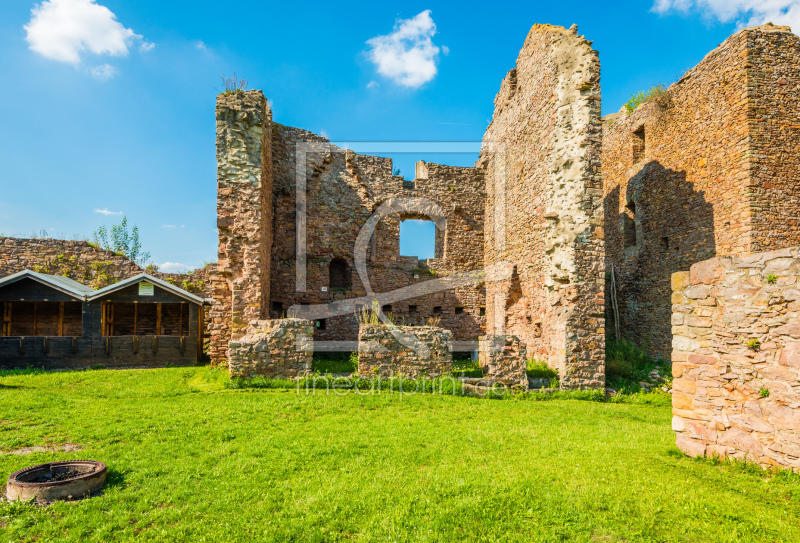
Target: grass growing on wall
<point>191,460</point>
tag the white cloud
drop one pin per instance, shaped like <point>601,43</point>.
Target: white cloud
<point>173,267</point>
<point>742,12</point>
<point>407,56</point>
<point>168,226</point>
<point>201,46</point>
<point>373,84</point>
<point>105,211</point>
<point>104,72</point>
<point>63,29</point>
<point>146,46</point>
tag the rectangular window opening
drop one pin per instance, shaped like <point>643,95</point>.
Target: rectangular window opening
<point>386,309</point>
<point>437,310</point>
<point>321,324</point>
<point>482,312</point>
<point>638,145</point>
<point>412,309</point>
<point>459,311</point>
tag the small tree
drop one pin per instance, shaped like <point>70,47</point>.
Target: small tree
<point>123,242</point>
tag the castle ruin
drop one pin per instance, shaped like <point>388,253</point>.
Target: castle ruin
<point>558,199</point>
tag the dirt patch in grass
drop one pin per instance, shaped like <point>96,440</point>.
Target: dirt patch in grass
<point>69,447</point>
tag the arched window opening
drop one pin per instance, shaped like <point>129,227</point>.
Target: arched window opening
<point>340,273</point>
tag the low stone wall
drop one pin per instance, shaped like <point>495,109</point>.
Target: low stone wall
<point>415,352</point>
<point>736,358</point>
<point>280,348</point>
<point>504,358</point>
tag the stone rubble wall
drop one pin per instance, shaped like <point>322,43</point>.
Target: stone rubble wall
<point>720,148</point>
<point>244,216</point>
<point>736,358</point>
<point>504,359</point>
<point>380,352</point>
<point>544,215</point>
<point>280,348</point>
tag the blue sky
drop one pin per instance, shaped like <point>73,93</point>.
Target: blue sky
<point>116,115</point>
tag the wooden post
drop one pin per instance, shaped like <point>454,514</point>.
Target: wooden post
<point>200,323</point>
<point>135,316</point>
<point>158,319</point>
<point>180,329</point>
<point>61,319</point>
<point>6,318</point>
<point>35,324</point>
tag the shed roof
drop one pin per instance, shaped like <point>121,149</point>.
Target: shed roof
<point>63,284</point>
<point>79,290</point>
<point>95,294</point>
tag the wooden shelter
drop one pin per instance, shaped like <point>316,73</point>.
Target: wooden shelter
<point>52,321</point>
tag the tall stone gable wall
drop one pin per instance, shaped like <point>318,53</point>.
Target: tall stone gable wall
<point>698,172</point>
<point>541,158</point>
<point>736,358</point>
<point>343,189</point>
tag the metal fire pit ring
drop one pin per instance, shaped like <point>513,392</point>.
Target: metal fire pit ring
<point>69,480</point>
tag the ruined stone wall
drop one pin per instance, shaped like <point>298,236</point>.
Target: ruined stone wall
<point>505,360</point>
<point>541,158</point>
<point>773,80</point>
<point>684,175</point>
<point>280,348</point>
<point>415,352</point>
<point>339,191</point>
<point>736,358</point>
<point>244,213</point>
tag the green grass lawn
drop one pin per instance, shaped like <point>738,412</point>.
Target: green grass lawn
<point>190,460</point>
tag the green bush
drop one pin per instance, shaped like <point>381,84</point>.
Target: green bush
<point>644,96</point>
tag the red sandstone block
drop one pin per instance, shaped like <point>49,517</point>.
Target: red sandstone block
<point>701,359</point>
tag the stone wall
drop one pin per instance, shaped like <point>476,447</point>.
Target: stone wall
<point>698,171</point>
<point>407,351</point>
<point>504,359</point>
<point>280,348</point>
<point>541,158</point>
<point>736,358</point>
<point>341,190</point>
<point>244,216</point>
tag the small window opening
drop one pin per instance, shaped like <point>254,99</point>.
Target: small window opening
<point>459,311</point>
<point>638,145</point>
<point>665,243</point>
<point>482,312</point>
<point>340,276</point>
<point>629,225</point>
<point>412,309</point>
<point>321,324</point>
<point>277,306</point>
<point>386,309</point>
<point>437,310</point>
